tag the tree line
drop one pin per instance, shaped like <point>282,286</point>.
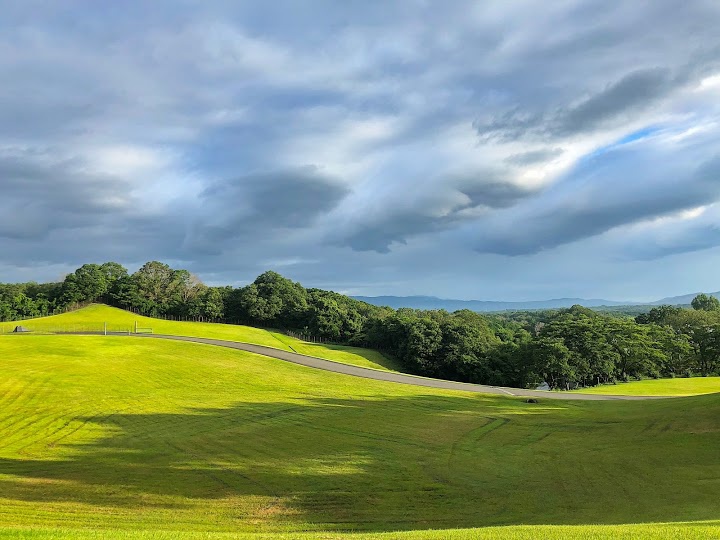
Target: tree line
<point>564,348</point>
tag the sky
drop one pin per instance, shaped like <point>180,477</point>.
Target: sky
<point>499,150</point>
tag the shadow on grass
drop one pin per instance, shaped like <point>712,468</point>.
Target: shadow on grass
<point>379,464</point>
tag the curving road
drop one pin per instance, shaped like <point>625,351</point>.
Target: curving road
<point>389,376</point>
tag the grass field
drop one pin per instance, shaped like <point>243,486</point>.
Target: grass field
<point>109,437</point>
<point>93,317</point>
<point>659,387</point>
<point>654,531</point>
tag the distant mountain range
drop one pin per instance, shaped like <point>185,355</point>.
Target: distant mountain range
<point>432,302</point>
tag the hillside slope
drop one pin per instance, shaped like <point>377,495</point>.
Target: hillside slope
<point>94,317</point>
<point>145,435</point>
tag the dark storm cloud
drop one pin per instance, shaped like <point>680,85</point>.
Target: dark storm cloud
<point>40,194</point>
<point>465,198</point>
<point>496,194</point>
<point>378,232</point>
<point>260,202</point>
<point>637,90</point>
<point>633,93</point>
<point>379,237</point>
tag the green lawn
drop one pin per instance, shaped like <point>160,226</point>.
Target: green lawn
<point>654,531</point>
<point>107,437</point>
<point>659,387</point>
<point>93,317</point>
<point>341,353</point>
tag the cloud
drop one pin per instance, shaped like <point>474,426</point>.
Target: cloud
<point>497,194</point>
<point>697,238</point>
<point>620,187</point>
<point>427,210</point>
<point>254,204</point>
<point>438,133</point>
<point>534,156</point>
<point>681,233</point>
<point>41,193</point>
<point>635,92</point>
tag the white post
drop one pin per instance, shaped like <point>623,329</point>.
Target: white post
<point>136,327</point>
<point>105,328</point>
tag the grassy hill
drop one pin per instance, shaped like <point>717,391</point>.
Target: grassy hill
<point>94,317</point>
<point>659,387</point>
<point>148,438</point>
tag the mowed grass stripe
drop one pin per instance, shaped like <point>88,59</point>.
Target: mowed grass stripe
<point>659,531</point>
<point>173,435</point>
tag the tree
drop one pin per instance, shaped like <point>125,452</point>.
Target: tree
<point>87,284</point>
<point>587,338</point>
<point>419,345</point>
<point>183,291</point>
<point>637,353</point>
<point>213,305</point>
<point>113,271</point>
<point>326,318</point>
<point>466,340</point>
<point>273,299</point>
<point>152,287</point>
<point>658,315</point>
<point>703,331</point>
<point>554,362</point>
<point>704,302</point>
<point>676,349</point>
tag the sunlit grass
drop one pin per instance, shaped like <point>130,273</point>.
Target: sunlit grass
<point>340,353</point>
<point>94,318</point>
<point>659,387</point>
<point>144,438</point>
<point>660,531</point>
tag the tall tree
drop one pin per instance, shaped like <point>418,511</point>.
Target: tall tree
<point>273,299</point>
<point>704,302</point>
<point>87,284</point>
<point>554,362</point>
<point>152,288</point>
<point>703,330</point>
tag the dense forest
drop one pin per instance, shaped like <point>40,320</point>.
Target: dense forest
<point>564,348</point>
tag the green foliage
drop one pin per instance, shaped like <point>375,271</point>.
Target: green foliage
<point>555,362</point>
<point>506,349</point>
<point>658,315</point>
<point>91,283</point>
<point>702,329</point>
<point>25,300</point>
<point>703,302</point>
<point>272,299</point>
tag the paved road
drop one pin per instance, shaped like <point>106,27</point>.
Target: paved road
<point>389,376</point>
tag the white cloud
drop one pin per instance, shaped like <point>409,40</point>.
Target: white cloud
<point>150,105</point>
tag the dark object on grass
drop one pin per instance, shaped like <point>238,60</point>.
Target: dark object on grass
<point>531,400</point>
<point>19,329</point>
